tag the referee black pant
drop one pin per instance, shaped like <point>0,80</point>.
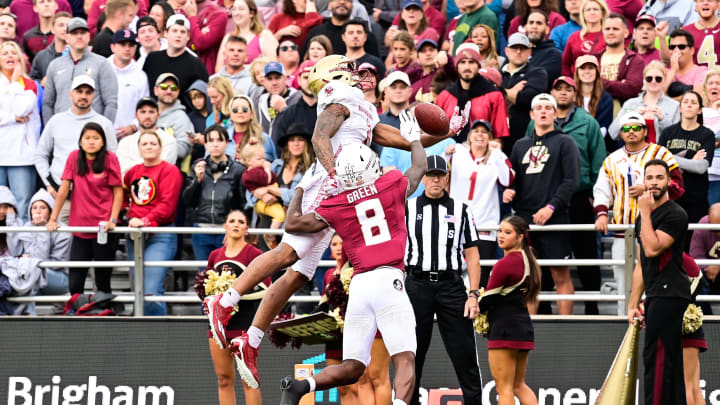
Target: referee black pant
<point>445,298</point>
<point>663,352</point>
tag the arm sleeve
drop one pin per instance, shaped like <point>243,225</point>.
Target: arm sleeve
<point>669,119</point>
<point>506,174</point>
<point>41,158</point>
<point>48,105</point>
<point>208,36</point>
<point>109,91</point>
<point>602,190</point>
<point>677,186</point>
<point>629,86</point>
<point>570,162</point>
<point>692,166</point>
<point>568,57</point>
<point>469,235</point>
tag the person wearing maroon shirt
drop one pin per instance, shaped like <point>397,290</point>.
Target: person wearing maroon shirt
<point>644,39</point>
<point>435,18</point>
<point>207,29</point>
<point>234,257</point>
<point>94,174</point>
<point>98,7</point>
<point>589,40</point>
<point>706,33</point>
<point>27,17</point>
<point>514,282</point>
<point>693,343</point>
<point>40,36</point>
<point>430,63</point>
<point>298,17</point>
<point>620,68</point>
<point>378,297</point>
<point>153,203</point>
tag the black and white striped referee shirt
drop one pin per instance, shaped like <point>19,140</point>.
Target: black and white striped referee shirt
<point>438,232</point>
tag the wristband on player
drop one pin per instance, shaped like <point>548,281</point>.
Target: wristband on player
<point>552,207</point>
<point>474,293</point>
<point>600,214</point>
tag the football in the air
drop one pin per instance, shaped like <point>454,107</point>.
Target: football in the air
<point>432,119</point>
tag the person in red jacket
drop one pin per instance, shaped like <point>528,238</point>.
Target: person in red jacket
<point>486,100</point>
<point>153,203</point>
<point>298,17</point>
<point>589,40</point>
<point>207,28</point>
<point>620,68</point>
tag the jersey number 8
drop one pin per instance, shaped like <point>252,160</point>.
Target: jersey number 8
<point>374,228</point>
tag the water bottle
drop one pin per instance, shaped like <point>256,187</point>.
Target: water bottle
<point>102,233</point>
<point>630,176</point>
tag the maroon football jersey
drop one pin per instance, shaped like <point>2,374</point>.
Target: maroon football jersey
<point>707,44</point>
<point>371,221</point>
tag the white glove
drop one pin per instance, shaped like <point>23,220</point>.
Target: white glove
<point>330,187</point>
<point>409,128</point>
<point>458,121</point>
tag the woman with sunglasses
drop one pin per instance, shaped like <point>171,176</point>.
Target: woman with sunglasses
<point>589,40</point>
<point>591,95</point>
<point>249,26</point>
<point>659,110</point>
<point>693,146</point>
<point>244,128</point>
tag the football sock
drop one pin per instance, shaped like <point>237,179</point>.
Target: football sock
<point>255,336</point>
<point>230,298</point>
<point>399,402</point>
<point>311,383</point>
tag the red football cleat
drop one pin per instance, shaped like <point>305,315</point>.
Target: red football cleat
<point>245,360</point>
<point>218,317</point>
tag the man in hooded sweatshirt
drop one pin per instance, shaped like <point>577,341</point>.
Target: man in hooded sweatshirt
<point>173,118</point>
<point>547,174</point>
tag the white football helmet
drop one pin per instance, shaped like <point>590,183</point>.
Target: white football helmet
<point>357,165</point>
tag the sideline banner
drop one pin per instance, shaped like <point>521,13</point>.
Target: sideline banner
<point>128,361</point>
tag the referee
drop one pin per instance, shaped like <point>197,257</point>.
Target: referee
<point>440,231</point>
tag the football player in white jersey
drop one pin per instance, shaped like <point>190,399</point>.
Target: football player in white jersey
<point>344,117</point>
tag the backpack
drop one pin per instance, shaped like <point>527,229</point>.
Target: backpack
<point>98,304</point>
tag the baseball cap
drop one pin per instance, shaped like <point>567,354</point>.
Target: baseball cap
<point>632,118</point>
<point>518,39</point>
<point>177,19</point>
<point>306,67</point>
<point>166,76</point>
<point>77,23</point>
<point>436,163</point>
<point>83,80</point>
<point>586,59</point>
<point>645,18</point>
<point>484,123</point>
<point>274,67</point>
<point>123,36</point>
<point>145,21</point>
<point>408,3</point>
<point>564,79</point>
<point>425,42</point>
<point>146,101</point>
<point>543,98</point>
<point>395,76</point>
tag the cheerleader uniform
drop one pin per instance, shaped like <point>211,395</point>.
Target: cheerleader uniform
<point>219,262</point>
<point>697,338</point>
<point>504,301</point>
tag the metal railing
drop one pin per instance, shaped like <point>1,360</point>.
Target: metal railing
<point>138,298</point>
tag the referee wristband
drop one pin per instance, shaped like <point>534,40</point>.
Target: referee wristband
<point>552,207</point>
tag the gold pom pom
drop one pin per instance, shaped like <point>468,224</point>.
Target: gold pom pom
<point>346,276</point>
<point>693,319</point>
<point>216,284</point>
<point>335,313</point>
<point>481,324</point>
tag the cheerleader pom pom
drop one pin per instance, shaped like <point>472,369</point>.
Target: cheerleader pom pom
<point>481,324</point>
<point>346,274</point>
<point>693,319</point>
<point>216,284</point>
<point>335,313</point>
<point>335,293</point>
<point>199,284</point>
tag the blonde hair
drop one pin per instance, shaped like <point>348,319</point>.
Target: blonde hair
<point>251,150</point>
<point>224,87</point>
<point>657,65</point>
<point>20,55</point>
<point>256,25</point>
<point>712,72</point>
<point>150,132</point>
<point>603,7</point>
<point>254,64</point>
<point>254,132</point>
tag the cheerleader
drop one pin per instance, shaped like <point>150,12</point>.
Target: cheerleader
<point>514,282</point>
<point>693,343</point>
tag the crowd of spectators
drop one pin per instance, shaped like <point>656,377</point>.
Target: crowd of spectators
<point>176,112</point>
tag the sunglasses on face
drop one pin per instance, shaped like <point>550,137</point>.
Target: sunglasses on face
<point>678,46</point>
<point>658,79</point>
<point>237,110</point>
<point>165,86</point>
<point>286,48</point>
<point>634,128</point>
